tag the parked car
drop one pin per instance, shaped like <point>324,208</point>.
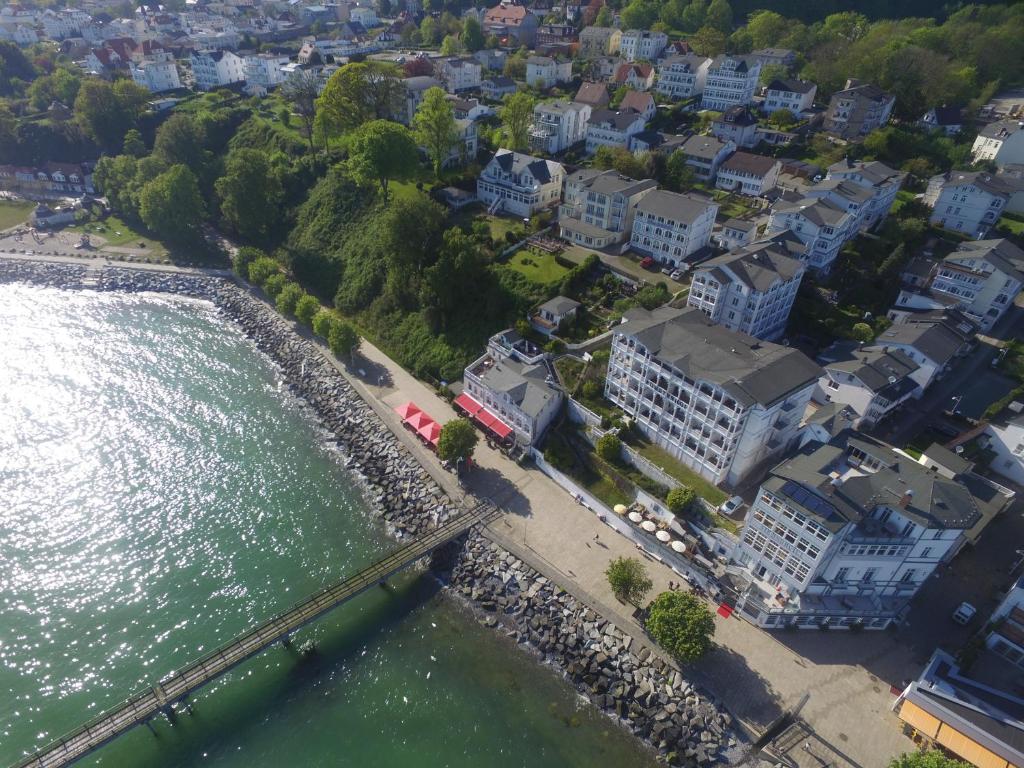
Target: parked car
<point>964,613</point>
<point>646,262</point>
<point>676,274</point>
<point>666,270</point>
<point>731,506</point>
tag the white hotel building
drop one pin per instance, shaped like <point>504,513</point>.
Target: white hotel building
<point>844,534</point>
<point>721,402</point>
<point>730,80</point>
<point>670,226</point>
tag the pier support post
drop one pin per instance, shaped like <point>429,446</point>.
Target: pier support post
<point>286,641</point>
<point>170,714</point>
<point>149,724</point>
<point>187,704</point>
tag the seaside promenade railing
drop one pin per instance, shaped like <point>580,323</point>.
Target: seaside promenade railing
<point>177,686</point>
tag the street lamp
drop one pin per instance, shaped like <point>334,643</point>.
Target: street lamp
<point>956,399</point>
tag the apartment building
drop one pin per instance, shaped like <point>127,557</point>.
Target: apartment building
<point>558,125</point>
<point>705,154</point>
<point>748,174</point>
<point>156,73</point>
<point>845,533</point>
<point>596,42</point>
<point>460,74</point>
<point>873,381</point>
<point>795,95</point>
<point>969,201</point>
<point>545,71</point>
<point>1001,142</point>
<point>735,233</point>
<point>640,102</point>
<point>415,89</point>
<point>212,69</point>
<point>511,23</point>
<point>1005,438</point>
<point>821,225</point>
<point>669,226</point>
<point>263,70</point>
<point>981,278</point>
<point>642,44</point>
<point>737,124</point>
<point>847,196</point>
<point>681,77</point>
<point>883,181</point>
<point>599,207</point>
<point>731,80</point>
<point>752,290</point>
<point>519,184</point>
<point>934,340</point>
<point>594,94</point>
<point>858,109</point>
<point>613,128</point>
<point>639,76</point>
<point>720,402</point>
<point>498,87</point>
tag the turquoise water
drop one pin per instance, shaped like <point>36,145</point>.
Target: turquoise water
<point>161,493</point>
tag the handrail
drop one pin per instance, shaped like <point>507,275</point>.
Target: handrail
<point>177,685</point>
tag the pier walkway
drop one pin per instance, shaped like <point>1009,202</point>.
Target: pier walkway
<point>177,686</point>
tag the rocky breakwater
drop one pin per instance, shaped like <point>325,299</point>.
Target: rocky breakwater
<point>649,696</point>
<point>53,275</point>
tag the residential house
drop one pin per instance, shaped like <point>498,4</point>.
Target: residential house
<point>752,290</point>
<point>49,180</point>
<point>735,233</point>
<point>468,109</point>
<point>872,381</point>
<point>364,15</point>
<point>263,71</point>
<point>821,225</point>
<point>738,125</point>
<point>705,154</point>
<point>558,125</point>
<point>858,109</point>
<point>649,141</point>
<point>968,201</point>
<point>555,35</point>
<point>639,102</point>
<point>594,94</point>
<point>982,278</point>
<point>731,80</point>
<point>498,87</point>
<point>213,69</point>
<point>638,76</point>
<point>883,181</point>
<point>596,42</point>
<point>720,402</point>
<point>609,128</point>
<point>642,44</point>
<point>748,174</point>
<point>775,57</point>
<point>491,59</point>
<point>843,534</point>
<point>682,77</point>
<point>948,120</point>
<point>599,207</point>
<point>1005,438</point>
<point>45,217</point>
<point>464,149</point>
<point>670,226</point>
<point>514,24</point>
<point>543,72</point>
<point>459,74</point>
<point>1001,142</point>
<point>519,184</point>
<point>795,95</point>
<point>935,340</point>
<point>847,196</point>
<point>415,89</point>
<point>156,73</point>
<point>552,313</point>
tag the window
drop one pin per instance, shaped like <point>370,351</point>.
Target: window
<point>841,575</point>
<point>926,552</point>
<point>869,575</point>
<point>909,576</point>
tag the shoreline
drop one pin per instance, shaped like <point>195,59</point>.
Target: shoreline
<point>650,698</point>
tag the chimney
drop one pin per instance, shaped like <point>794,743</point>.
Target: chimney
<point>906,498</point>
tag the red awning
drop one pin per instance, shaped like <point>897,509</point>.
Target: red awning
<point>418,420</point>
<point>430,432</point>
<point>486,418</point>
<point>407,410</point>
<point>725,610</point>
<point>468,404</point>
<point>501,429</point>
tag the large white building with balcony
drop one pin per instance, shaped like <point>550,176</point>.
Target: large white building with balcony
<point>613,128</point>
<point>599,207</point>
<point>263,71</point>
<point>720,402</point>
<point>874,381</point>
<point>669,226</point>
<point>680,77</point>
<point>642,44</point>
<point>156,73</point>
<point>858,109</point>
<point>212,69</point>
<point>558,125</point>
<point>795,95</point>
<point>751,291</point>
<point>968,201</point>
<point>880,179</point>
<point>820,224</point>
<point>844,534</point>
<point>1001,142</point>
<point>519,184</point>
<point>730,80</point>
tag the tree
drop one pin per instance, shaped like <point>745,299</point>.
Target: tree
<point>708,41</point>
<point>106,112</point>
<point>250,193</point>
<point>300,89</point>
<point>680,498</point>
<point>681,624</point>
<point>262,268</point>
<point>679,175</point>
<point>288,298</point>
<point>604,17</point>
<point>419,66</point>
<point>179,141</point>
<point>628,579</point>
<point>719,16</point>
<point>609,447</point>
<point>862,332</point>
<point>451,46</point>
<point>274,284</point>
<point>516,116</point>
<point>115,178</point>
<point>133,144</point>
<point>472,35</point>
<point>766,28</point>
<point>782,118</point>
<point>429,31</point>
<point>306,309</point>
<point>171,205</point>
<point>932,758</point>
<point>357,93</point>
<point>457,441</point>
<point>342,339</point>
<point>323,322</point>
<point>245,256</point>
<point>640,14</point>
<point>694,15</point>
<point>382,151</point>
<point>434,123</point>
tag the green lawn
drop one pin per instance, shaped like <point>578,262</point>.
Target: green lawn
<point>502,225</point>
<point>673,468</point>
<point>1014,224</point>
<point>538,266</point>
<point>902,198</point>
<point>14,212</point>
<point>569,369</point>
<point>119,233</point>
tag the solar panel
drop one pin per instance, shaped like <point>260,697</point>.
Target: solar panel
<point>809,500</point>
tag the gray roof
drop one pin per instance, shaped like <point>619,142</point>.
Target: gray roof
<point>559,106</point>
<point>1001,128</point>
<point>743,63</point>
<point>758,266</point>
<point>817,210</point>
<point>704,147</point>
<point>614,183</point>
<point>947,459</point>
<point>742,225</point>
<point>791,85</point>
<point>688,62</point>
<point>834,417</point>
<point>876,368</point>
<point>675,206</point>
<point>748,162</point>
<point>421,83</point>
<point>620,120</point>
<point>592,93</point>
<point>750,370</point>
<point>1001,254</point>
<point>873,171</point>
<point>516,163</point>
<point>865,91</point>
<point>1002,186</point>
<point>559,305</point>
<point>524,384</point>
<point>500,81</point>
<point>846,189</point>
<point>938,341</point>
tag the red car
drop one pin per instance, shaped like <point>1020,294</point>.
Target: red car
<point>647,262</point>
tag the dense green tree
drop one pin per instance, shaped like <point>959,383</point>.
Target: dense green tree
<point>357,93</point>
<point>430,34</point>
<point>61,85</point>
<point>454,280</point>
<point>609,447</point>
<point>719,16</point>
<point>434,124</point>
<point>681,624</point>
<point>114,177</point>
<point>133,144</point>
<point>766,28</point>
<point>708,41</point>
<point>516,116</point>
<point>245,256</point>
<point>782,118</point>
<point>261,268</point>
<point>342,339</point>
<point>250,193</point>
<point>106,112</point>
<point>932,758</point>
<point>472,35</point>
<point>694,15</point>
<point>382,151</point>
<point>680,498</point>
<point>679,175</point>
<point>179,141</point>
<point>171,206</point>
<point>863,332</point>
<point>306,309</point>
<point>457,441</point>
<point>451,46</point>
<point>604,17</point>
<point>288,298</point>
<point>322,323</point>
<point>640,14</point>
<point>274,284</point>
<point>628,579</point>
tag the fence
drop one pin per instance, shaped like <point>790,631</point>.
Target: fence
<point>580,414</point>
<point>569,485</point>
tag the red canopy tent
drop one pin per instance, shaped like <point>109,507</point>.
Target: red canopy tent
<point>468,404</point>
<point>407,410</point>
<point>486,418</point>
<point>430,432</point>
<point>418,420</point>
